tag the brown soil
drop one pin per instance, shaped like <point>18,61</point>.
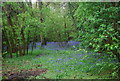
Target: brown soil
<point>25,73</point>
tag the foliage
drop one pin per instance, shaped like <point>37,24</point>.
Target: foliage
<point>97,31</point>
<point>95,25</point>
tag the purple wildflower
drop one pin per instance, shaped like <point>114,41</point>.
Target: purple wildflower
<point>99,59</point>
<point>79,63</point>
<point>57,70</point>
<point>70,58</point>
<point>57,45</point>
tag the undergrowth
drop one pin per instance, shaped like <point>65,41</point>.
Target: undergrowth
<point>64,64</point>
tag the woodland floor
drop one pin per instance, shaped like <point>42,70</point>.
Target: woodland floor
<point>58,64</point>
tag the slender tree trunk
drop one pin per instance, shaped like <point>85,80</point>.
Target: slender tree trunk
<point>20,49</point>
<point>9,21</point>
<point>24,44</point>
<point>28,41</point>
<point>32,47</point>
<point>43,39</point>
<point>8,42</point>
<point>33,43</point>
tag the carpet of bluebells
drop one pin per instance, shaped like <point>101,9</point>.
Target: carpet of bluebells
<point>57,45</point>
<point>65,60</point>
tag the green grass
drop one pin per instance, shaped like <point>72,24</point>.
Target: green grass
<point>64,64</point>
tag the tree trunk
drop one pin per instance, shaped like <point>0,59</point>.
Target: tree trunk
<point>24,43</point>
<point>28,41</point>
<point>8,42</point>
<point>9,21</point>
